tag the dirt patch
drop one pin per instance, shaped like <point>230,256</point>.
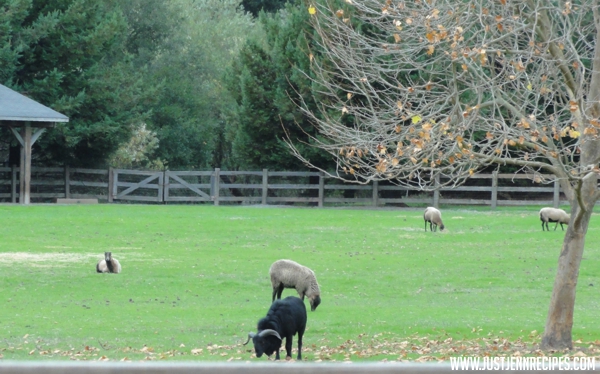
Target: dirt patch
<point>39,259</point>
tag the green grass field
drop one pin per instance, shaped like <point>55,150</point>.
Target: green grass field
<point>195,281</point>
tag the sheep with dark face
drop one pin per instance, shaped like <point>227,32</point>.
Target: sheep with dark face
<point>434,217</point>
<point>290,274</point>
<point>554,215</point>
<point>284,319</point>
<point>108,265</point>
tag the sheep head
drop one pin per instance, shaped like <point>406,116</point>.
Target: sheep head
<point>267,341</point>
<point>314,302</point>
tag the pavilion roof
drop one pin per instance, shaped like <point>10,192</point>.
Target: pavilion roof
<point>17,107</point>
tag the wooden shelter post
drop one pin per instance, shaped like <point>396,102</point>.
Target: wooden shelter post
<point>26,138</point>
<point>32,118</point>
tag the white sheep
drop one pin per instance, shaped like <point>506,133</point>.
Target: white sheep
<point>554,215</point>
<point>108,264</point>
<point>290,274</point>
<point>434,217</point>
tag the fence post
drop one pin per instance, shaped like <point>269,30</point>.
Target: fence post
<point>161,188</point>
<point>494,189</point>
<point>67,182</point>
<point>375,193</point>
<point>13,191</point>
<point>166,185</point>
<point>265,186</point>
<point>111,184</point>
<point>217,187</point>
<point>436,192</point>
<point>321,189</point>
<point>556,199</point>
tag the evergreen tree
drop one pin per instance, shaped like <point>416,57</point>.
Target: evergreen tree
<point>269,6</point>
<point>69,55</point>
<point>268,80</point>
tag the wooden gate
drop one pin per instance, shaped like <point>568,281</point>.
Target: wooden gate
<point>137,185</point>
<point>189,186</point>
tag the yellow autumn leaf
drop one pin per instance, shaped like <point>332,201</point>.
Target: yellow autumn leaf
<point>529,87</point>
<point>563,132</point>
<point>574,134</point>
<point>416,119</point>
<point>312,10</point>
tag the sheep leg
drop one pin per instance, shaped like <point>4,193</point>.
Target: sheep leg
<point>300,333</point>
<point>543,229</point>
<point>280,291</point>
<point>425,226</point>
<point>288,347</point>
<point>561,226</point>
<point>555,226</point>
<point>274,294</point>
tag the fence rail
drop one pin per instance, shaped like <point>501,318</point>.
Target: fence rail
<point>267,187</point>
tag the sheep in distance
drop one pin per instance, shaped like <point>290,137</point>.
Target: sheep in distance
<point>434,217</point>
<point>108,264</point>
<point>554,215</point>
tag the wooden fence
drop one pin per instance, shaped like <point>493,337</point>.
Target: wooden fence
<point>267,187</point>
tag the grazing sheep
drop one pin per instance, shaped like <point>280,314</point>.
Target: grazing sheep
<point>434,217</point>
<point>554,215</point>
<point>290,274</point>
<point>108,265</point>
<point>284,319</point>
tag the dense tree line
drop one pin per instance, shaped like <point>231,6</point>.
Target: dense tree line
<point>183,84</point>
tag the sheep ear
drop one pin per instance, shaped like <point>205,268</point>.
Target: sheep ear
<point>269,332</point>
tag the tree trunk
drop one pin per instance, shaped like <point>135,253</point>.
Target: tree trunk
<point>559,323</point>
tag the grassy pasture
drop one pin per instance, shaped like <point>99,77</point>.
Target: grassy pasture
<point>195,281</point>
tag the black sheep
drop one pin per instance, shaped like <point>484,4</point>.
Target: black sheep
<point>285,318</point>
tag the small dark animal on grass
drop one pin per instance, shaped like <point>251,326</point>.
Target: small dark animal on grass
<point>108,265</point>
<point>284,319</point>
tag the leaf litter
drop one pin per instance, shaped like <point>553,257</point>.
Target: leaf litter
<point>382,347</point>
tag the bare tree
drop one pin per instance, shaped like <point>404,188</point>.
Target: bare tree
<point>419,89</point>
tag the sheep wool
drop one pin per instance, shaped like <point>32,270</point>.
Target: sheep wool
<point>434,217</point>
<point>284,319</point>
<point>554,215</point>
<point>290,274</point>
<point>108,264</point>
